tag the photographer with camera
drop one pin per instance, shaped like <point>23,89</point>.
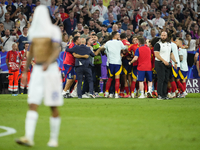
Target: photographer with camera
<point>163,53</point>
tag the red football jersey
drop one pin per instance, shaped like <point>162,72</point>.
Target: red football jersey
<point>126,43</point>
<point>23,59</point>
<point>68,57</point>
<point>144,58</point>
<point>13,60</point>
<point>132,49</point>
<point>64,16</point>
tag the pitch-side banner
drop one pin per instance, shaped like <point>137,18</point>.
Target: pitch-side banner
<point>193,85</point>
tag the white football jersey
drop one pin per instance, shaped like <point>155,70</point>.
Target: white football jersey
<point>183,63</point>
<point>176,55</point>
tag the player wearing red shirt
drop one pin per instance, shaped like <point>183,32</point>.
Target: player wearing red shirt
<point>125,67</point>
<point>132,50</point>
<point>143,55</point>
<point>12,61</point>
<point>23,58</point>
<point>68,68</point>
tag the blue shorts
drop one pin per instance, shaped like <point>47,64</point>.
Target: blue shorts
<point>114,69</point>
<point>134,72</point>
<point>69,71</point>
<point>126,67</point>
<point>175,72</point>
<point>198,58</point>
<point>182,74</point>
<point>144,74</point>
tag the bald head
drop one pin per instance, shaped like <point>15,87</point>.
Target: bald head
<point>83,41</point>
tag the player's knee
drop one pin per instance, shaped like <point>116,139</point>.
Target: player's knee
<point>33,107</point>
<point>55,112</point>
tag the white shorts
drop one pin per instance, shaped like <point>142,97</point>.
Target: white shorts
<point>45,84</point>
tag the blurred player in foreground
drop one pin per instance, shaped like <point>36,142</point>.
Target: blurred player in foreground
<point>45,80</point>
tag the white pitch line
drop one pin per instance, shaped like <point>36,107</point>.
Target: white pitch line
<point>8,131</point>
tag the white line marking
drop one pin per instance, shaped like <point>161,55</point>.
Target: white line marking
<point>8,131</point>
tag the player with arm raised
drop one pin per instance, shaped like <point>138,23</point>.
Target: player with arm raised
<point>45,80</point>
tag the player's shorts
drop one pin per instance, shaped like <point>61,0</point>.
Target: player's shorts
<point>114,69</point>
<point>45,84</point>
<point>144,74</point>
<point>182,74</point>
<point>154,73</point>
<point>198,58</point>
<point>69,71</point>
<point>126,67</point>
<point>175,72</point>
<point>134,72</point>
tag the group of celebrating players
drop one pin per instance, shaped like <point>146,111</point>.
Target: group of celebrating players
<point>131,66</point>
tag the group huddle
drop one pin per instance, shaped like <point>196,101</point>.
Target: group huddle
<point>133,70</point>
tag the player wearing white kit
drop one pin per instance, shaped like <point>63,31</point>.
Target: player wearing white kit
<point>45,80</point>
<point>114,49</point>
<point>174,71</point>
<point>183,66</point>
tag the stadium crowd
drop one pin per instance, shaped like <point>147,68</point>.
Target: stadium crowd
<point>101,25</point>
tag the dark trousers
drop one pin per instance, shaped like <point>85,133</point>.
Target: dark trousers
<point>163,73</point>
<point>96,77</point>
<point>87,71</point>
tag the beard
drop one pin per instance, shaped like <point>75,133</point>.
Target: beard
<point>163,40</point>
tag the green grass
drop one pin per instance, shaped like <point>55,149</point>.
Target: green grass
<point>110,124</point>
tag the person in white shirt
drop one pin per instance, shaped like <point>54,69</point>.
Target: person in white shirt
<point>8,40</point>
<point>113,50</point>
<point>158,21</point>
<point>2,12</point>
<point>174,70</point>
<point>183,66</point>
<point>102,9</point>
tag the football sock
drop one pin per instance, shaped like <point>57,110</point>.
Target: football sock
<point>174,87</point>
<point>155,86</point>
<point>30,124</point>
<point>150,89</point>
<point>54,128</point>
<point>184,86</point>
<point>127,90</point>
<point>142,93</point>
<point>117,85</point>
<point>145,87</point>
<point>133,86</point>
<point>108,84</point>
<point>169,89</point>
<point>180,86</point>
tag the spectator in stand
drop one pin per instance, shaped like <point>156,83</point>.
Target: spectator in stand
<point>26,9</point>
<point>164,14</point>
<point>146,5</point>
<point>78,6</point>
<point>178,14</point>
<point>85,32</point>
<point>22,39</point>
<point>102,9</point>
<point>17,3</point>
<point>57,20</point>
<point>152,35</point>
<point>3,10</point>
<point>68,5</point>
<point>188,11</point>
<point>145,19</point>
<point>129,36</point>
<point>80,28</point>
<point>95,16</point>
<point>52,8</point>
<point>130,8</point>
<point>154,7</point>
<point>194,31</point>
<point>8,41</point>
<point>141,8</point>
<point>171,17</point>
<point>119,24</point>
<point>125,23</point>
<point>13,8</point>
<point>110,11</point>
<point>91,26</point>
<point>70,23</point>
<point>115,28</point>
<point>109,23</point>
<point>30,4</point>
<point>180,29</point>
<point>116,7</point>
<point>122,14</point>
<point>158,21</point>
<point>85,14</point>
<point>22,20</point>
<point>65,40</point>
<point>151,14</point>
<point>12,61</point>
<point>63,15</point>
<point>103,35</point>
<point>8,24</point>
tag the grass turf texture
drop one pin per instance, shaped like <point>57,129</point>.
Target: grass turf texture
<point>110,124</point>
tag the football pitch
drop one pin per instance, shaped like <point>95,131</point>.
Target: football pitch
<point>109,124</point>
